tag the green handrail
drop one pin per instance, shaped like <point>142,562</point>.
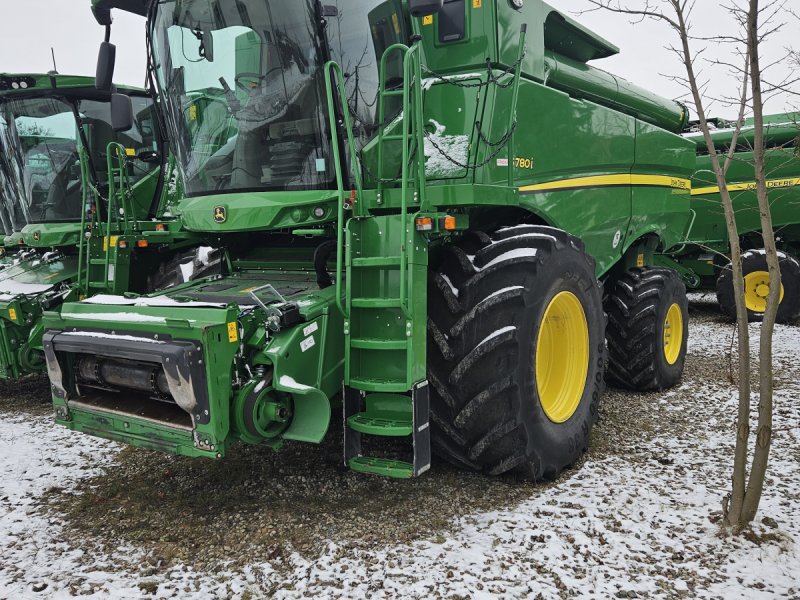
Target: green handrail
<point>83,158</point>
<point>334,78</point>
<point>116,168</point>
<point>514,98</point>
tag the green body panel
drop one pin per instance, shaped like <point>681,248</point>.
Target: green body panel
<point>305,374</point>
<point>708,240</point>
<point>538,136</point>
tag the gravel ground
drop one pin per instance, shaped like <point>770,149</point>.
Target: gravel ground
<point>636,518</point>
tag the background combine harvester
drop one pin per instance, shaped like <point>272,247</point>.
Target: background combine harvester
<point>80,199</point>
<point>703,261</point>
<point>418,230</point>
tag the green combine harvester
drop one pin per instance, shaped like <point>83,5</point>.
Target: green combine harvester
<point>80,201</point>
<point>419,204</point>
<point>704,261</point>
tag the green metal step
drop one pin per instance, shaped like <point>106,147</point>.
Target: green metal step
<point>378,344</point>
<point>385,426</point>
<point>375,303</point>
<point>394,137</point>
<point>382,466</point>
<point>369,384</point>
<point>377,261</point>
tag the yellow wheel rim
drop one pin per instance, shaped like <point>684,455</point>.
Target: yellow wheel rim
<point>673,334</point>
<point>756,290</point>
<point>562,357</point>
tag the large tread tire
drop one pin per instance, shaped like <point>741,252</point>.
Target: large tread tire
<point>637,304</point>
<point>753,261</point>
<point>486,303</point>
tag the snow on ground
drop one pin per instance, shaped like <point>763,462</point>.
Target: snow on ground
<point>637,519</point>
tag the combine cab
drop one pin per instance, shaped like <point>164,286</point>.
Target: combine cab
<point>417,204</point>
<point>80,200</point>
<point>703,261</point>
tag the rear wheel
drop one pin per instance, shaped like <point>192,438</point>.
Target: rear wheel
<point>756,287</point>
<point>648,328</point>
<point>515,351</point>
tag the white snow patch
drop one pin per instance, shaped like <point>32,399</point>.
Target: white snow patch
<point>289,382</point>
<point>453,288</point>
<point>511,254</point>
<point>12,287</point>
<point>158,302</point>
<point>497,333</point>
<point>429,82</point>
<point>122,338</point>
<point>187,270</point>
<point>455,147</point>
<point>203,254</point>
<point>119,316</point>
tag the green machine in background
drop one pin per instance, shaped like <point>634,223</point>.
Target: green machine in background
<point>80,199</point>
<point>704,260</point>
<point>417,204</point>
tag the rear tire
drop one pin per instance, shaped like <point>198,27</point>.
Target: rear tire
<point>755,271</point>
<point>487,306</point>
<point>648,328</point>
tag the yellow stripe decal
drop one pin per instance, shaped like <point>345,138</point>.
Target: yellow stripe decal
<point>748,185</point>
<point>624,179</point>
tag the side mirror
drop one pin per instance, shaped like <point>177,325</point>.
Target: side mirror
<point>121,112</point>
<point>421,8</point>
<point>106,60</point>
<point>149,156</point>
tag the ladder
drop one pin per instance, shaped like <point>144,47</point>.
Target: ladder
<point>382,264</point>
<point>95,268</point>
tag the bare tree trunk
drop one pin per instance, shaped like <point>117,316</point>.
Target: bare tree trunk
<point>741,505</point>
<point>732,507</point>
<point>755,484</point>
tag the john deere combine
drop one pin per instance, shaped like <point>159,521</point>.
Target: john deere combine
<point>417,204</point>
<point>703,261</point>
<point>80,200</point>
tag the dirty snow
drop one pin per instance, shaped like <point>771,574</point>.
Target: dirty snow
<point>634,520</point>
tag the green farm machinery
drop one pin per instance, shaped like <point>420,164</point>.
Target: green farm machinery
<point>425,211</point>
<point>704,260</point>
<point>80,201</point>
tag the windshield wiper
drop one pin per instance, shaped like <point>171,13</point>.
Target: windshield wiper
<point>230,96</point>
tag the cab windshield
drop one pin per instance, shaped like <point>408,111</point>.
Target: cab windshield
<point>39,161</point>
<point>243,91</point>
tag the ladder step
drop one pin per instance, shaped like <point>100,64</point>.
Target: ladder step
<point>382,466</point>
<point>393,137</point>
<point>378,344</point>
<point>377,261</point>
<point>388,93</point>
<point>375,303</point>
<point>388,424</point>
<point>368,384</point>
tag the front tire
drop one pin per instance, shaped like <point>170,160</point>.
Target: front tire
<point>648,329</point>
<point>756,284</point>
<point>516,351</point>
